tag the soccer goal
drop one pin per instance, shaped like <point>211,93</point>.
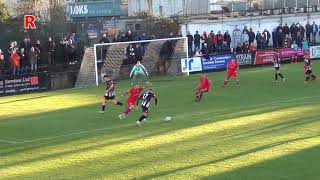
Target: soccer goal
<point>159,57</point>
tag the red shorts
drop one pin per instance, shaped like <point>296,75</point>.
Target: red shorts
<point>131,102</point>
<point>232,74</point>
<point>202,89</point>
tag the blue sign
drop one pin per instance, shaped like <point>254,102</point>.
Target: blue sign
<point>94,9</point>
<point>216,61</point>
<point>194,64</point>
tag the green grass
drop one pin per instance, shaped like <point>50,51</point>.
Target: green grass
<point>261,131</point>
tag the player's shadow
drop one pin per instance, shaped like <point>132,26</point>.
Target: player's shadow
<point>244,153</point>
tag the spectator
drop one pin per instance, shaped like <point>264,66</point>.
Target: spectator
<point>153,36</point>
<point>71,52</point>
<point>190,43</point>
<point>2,63</point>
<point>302,31</point>
<point>51,49</point>
<point>279,28</point>
<point>24,60</point>
<point>197,38</point>
<point>286,29</point>
<point>236,36</point>
<point>287,41</point>
<point>225,48</point>
<point>38,49</point>
<point>26,45</point>
<point>239,48</point>
<point>299,39</point>
<point>314,31</point>
<point>205,51</point>
<point>103,40</point>
<point>74,39</point>
<point>245,47</point>
<point>275,38</point>
<point>15,61</point>
<point>305,44</point>
<point>171,35</point>
<point>263,43</point>
<point>245,29</point>
<point>267,37</point>
<point>204,37</point>
<point>213,36</point>
<point>219,40</point>
<point>33,58</point>
<point>65,50</point>
<point>227,38</point>
<point>244,37</point>
<point>251,35</point>
<point>259,40</point>
<point>294,31</point>
<point>123,38</point>
<point>11,49</point>
<point>143,37</point>
<point>308,32</point>
<point>252,48</point>
<point>131,54</point>
<point>209,42</point>
<point>280,38</point>
<point>138,52</point>
<point>129,36</point>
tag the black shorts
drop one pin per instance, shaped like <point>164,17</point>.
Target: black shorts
<point>145,109</point>
<point>277,68</point>
<point>109,97</point>
<point>308,72</point>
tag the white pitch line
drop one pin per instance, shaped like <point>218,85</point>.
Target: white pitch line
<point>10,142</point>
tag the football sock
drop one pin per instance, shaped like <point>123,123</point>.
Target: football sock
<point>281,75</point>
<point>276,76</point>
<point>103,107</point>
<point>225,82</point>
<point>119,103</point>
<point>142,118</point>
<point>127,111</point>
<point>314,77</point>
<point>307,78</point>
<point>238,83</point>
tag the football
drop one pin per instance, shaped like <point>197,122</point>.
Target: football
<point>168,118</point>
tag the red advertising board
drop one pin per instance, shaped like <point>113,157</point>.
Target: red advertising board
<point>264,57</point>
<point>286,53</point>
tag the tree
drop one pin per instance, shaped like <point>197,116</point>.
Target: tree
<point>4,13</point>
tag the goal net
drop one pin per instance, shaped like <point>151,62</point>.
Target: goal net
<point>159,57</point>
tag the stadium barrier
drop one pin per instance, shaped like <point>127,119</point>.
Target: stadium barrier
<point>214,62</point>
<point>18,84</point>
<point>315,52</point>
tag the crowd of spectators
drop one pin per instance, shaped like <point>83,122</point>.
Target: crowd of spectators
<point>246,40</point>
<point>28,55</point>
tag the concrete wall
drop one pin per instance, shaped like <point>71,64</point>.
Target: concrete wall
<point>256,23</point>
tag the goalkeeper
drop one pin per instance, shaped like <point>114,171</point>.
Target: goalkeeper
<point>139,70</point>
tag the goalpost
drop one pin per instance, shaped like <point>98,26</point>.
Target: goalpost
<point>159,56</point>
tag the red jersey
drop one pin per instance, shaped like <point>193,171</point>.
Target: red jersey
<point>233,66</point>
<point>135,93</point>
<point>204,82</point>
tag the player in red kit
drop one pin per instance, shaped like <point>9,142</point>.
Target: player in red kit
<point>134,95</point>
<point>205,86</point>
<point>232,71</point>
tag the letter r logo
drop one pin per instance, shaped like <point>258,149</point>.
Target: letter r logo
<point>29,22</point>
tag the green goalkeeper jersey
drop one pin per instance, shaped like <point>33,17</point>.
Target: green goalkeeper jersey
<point>138,69</point>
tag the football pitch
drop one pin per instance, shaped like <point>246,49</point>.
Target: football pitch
<point>263,131</point>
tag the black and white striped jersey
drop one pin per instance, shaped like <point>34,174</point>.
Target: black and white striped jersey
<point>110,89</point>
<point>146,98</point>
<point>276,64</point>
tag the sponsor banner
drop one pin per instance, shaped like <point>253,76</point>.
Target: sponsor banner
<point>216,61</point>
<point>244,59</point>
<point>264,57</point>
<point>94,8</point>
<point>315,52</point>
<point>193,63</point>
<point>288,53</point>
<point>21,84</point>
